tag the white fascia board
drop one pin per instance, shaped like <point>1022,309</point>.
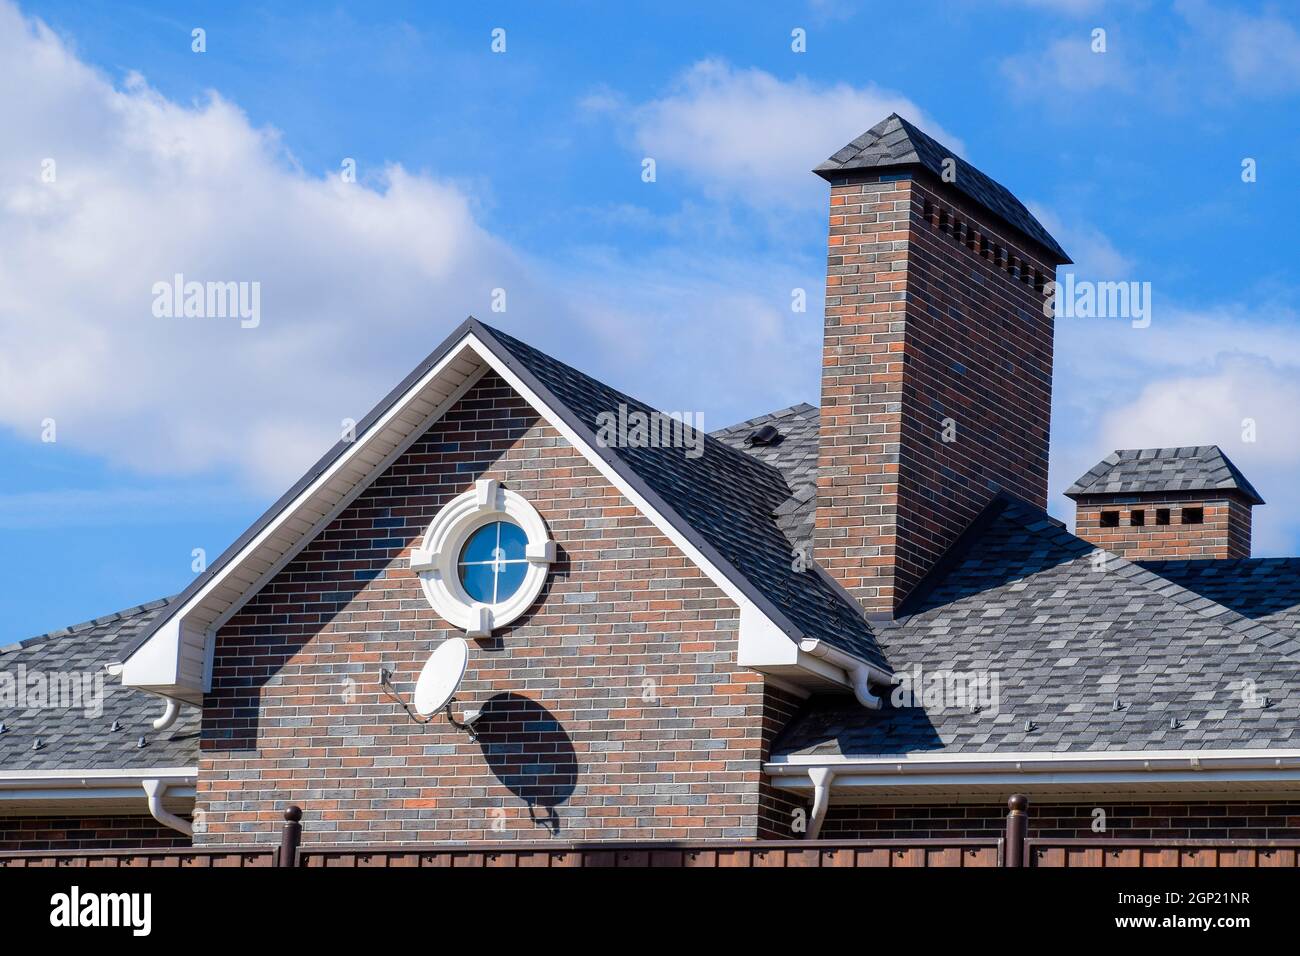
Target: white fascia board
<point>1145,764</point>
<point>91,779</point>
<point>156,663</point>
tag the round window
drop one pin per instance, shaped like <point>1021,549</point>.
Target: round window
<point>484,559</point>
<point>493,562</point>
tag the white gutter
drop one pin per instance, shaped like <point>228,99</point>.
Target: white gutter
<point>81,779</point>
<point>860,674</point>
<point>1029,763</point>
<point>154,790</point>
<point>75,787</point>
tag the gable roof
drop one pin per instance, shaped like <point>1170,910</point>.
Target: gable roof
<point>719,508</point>
<point>1148,470</point>
<point>896,143</point>
<point>69,738</point>
<point>1022,598</point>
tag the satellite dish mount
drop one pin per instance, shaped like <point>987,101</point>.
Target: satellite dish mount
<point>436,686</point>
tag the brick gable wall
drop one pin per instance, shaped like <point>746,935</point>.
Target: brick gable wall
<point>1224,533</point>
<point>614,708</point>
<point>935,330</point>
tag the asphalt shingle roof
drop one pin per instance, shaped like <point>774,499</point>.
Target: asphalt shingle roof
<point>795,456</point>
<point>70,739</point>
<point>1024,599</point>
<point>1147,470</point>
<point>894,142</point>
<point>727,497</point>
<point>1263,589</point>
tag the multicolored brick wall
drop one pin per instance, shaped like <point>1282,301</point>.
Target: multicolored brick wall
<point>1223,532</point>
<point>937,380</point>
<point>1195,820</point>
<point>613,709</point>
<point>87,833</point>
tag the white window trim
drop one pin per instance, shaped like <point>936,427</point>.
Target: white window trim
<point>436,559</point>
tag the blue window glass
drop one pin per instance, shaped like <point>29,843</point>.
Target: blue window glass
<point>493,562</point>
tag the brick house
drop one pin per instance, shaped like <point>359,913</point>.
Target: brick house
<point>851,621</point>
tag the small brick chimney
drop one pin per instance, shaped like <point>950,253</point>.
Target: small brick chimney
<point>937,362</point>
<point>1187,502</point>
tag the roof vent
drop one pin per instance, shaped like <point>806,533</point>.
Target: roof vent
<point>764,435</point>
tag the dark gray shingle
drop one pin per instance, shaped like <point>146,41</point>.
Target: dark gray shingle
<point>1158,470</point>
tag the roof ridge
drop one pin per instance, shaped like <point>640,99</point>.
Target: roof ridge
<point>84,626</point>
<point>797,409</point>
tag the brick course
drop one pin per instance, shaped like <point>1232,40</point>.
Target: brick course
<point>933,315</point>
<point>87,833</point>
<point>615,707</point>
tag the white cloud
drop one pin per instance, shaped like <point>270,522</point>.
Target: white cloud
<point>1262,52</point>
<point>355,279</point>
<point>748,135</point>
<point>357,282</point>
<point>1092,250</point>
<point>1067,64</point>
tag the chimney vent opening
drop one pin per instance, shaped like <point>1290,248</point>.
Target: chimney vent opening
<point>1162,516</point>
<point>1137,518</point>
<point>1110,519</point>
<point>1193,515</point>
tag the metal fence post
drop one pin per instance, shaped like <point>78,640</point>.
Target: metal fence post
<point>290,837</point>
<point>1017,830</point>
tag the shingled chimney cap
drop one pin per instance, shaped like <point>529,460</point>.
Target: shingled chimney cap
<point>894,143</point>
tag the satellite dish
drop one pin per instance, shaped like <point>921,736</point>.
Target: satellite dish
<point>436,687</point>
<point>441,676</point>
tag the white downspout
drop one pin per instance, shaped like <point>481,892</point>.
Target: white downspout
<point>168,716</point>
<point>154,790</point>
<point>821,781</point>
<point>859,672</point>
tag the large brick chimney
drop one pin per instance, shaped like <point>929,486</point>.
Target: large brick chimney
<point>937,363</point>
<point>1189,502</point>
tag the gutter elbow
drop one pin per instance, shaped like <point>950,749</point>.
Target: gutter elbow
<point>859,673</point>
<point>862,688</point>
<point>168,716</point>
<point>154,790</point>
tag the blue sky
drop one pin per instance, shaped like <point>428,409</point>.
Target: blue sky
<point>522,170</point>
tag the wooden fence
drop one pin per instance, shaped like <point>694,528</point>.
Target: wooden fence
<point>1015,849</point>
